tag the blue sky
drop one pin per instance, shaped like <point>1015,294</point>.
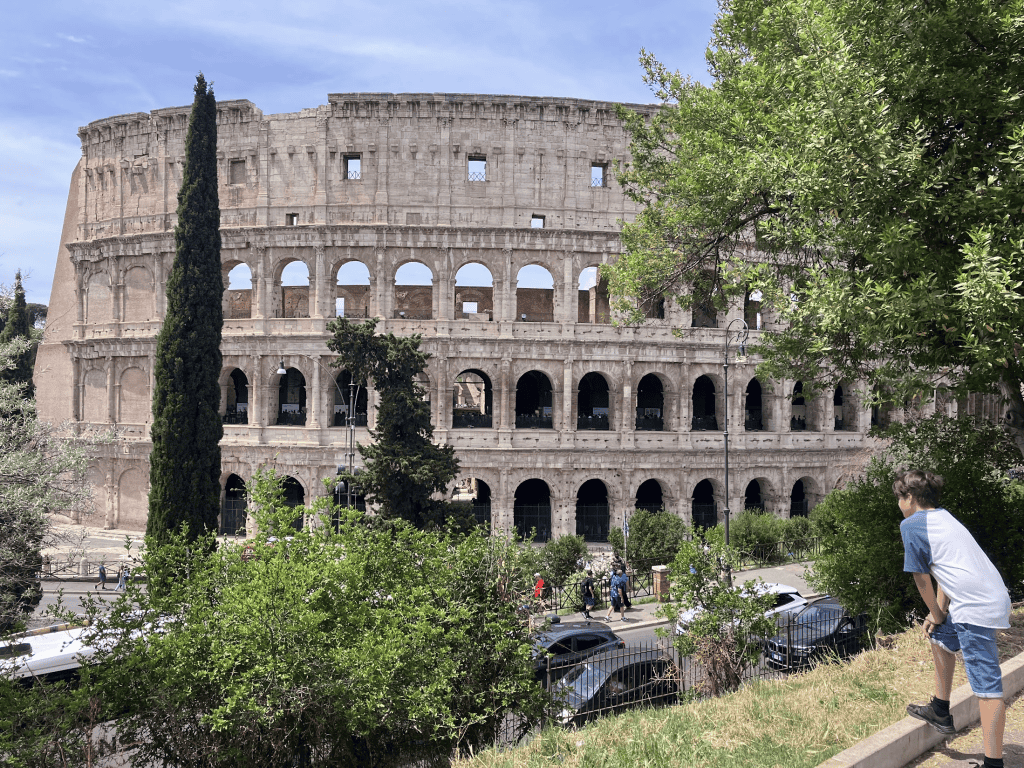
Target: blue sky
<point>65,64</point>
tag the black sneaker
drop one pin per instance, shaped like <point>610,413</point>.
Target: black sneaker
<point>926,713</point>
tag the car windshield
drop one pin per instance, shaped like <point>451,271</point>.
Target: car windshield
<point>581,683</point>
<point>823,619</point>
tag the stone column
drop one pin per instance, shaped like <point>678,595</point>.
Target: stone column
<point>568,385</point>
<point>828,406</point>
<point>259,305</point>
<point>317,292</point>
<point>111,393</point>
<point>504,394</point>
<point>256,394</point>
<point>317,395</point>
<point>684,397</point>
<point>436,311</point>
<point>624,415</point>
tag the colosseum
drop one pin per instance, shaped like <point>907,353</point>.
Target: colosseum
<point>477,221</point>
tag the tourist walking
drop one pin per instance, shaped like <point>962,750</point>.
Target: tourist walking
<point>120,577</point>
<point>587,592</point>
<point>102,583</point>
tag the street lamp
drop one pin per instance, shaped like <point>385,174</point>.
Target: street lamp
<point>741,338</point>
<point>353,392</point>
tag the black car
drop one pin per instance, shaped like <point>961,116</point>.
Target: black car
<point>616,680</point>
<point>822,628</point>
<point>569,644</point>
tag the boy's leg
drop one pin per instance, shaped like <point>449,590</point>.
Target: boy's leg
<point>993,721</point>
<point>944,664</point>
<point>981,661</point>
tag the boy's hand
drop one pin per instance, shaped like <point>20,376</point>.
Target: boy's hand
<point>931,623</point>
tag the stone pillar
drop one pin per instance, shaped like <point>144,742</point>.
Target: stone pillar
<point>684,397</point>
<point>317,387</point>
<point>436,310</point>
<point>79,387</point>
<point>317,292</point>
<point>624,415</point>
<point>568,386</point>
<point>504,420</point>
<point>111,393</point>
<point>828,406</point>
<point>256,407</point>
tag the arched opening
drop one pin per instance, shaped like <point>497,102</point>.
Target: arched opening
<point>138,294</point>
<point>704,415</point>
<point>752,411</point>
<point>352,290</point>
<point>649,496</point>
<point>798,419</point>
<point>705,511</point>
<point>535,295</point>
<point>752,498</point>
<point>294,496</point>
<point>704,313</point>
<point>294,290</point>
<point>477,494</point>
<point>653,308</point>
<point>472,400</point>
<point>414,292</point>
<point>844,412</point>
<point>798,500</point>
<point>474,292</point>
<point>593,305</point>
<point>650,404</point>
<point>239,295</point>
<point>344,395</point>
<point>233,510</point>
<point>752,310</point>
<point>532,510</point>
<point>592,403</point>
<point>291,399</point>
<point>533,401</point>
<point>238,399</point>
<point>592,519</point>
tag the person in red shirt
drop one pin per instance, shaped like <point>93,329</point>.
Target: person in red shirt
<point>538,589</point>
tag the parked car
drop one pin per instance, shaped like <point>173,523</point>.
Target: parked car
<point>821,628</point>
<point>569,644</point>
<point>787,600</point>
<point>613,681</point>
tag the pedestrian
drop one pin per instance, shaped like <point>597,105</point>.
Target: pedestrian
<point>619,565</point>
<point>120,577</point>
<point>618,595</point>
<point>102,583</point>
<point>538,588</point>
<point>970,604</point>
<point>587,592</point>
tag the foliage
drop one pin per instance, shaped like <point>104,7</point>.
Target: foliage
<point>618,542</point>
<point>859,162</point>
<point>562,557</point>
<point>724,636</point>
<point>187,428</point>
<point>40,473</point>
<point>403,469</point>
<point>861,560</point>
<point>17,326</point>
<point>758,535</point>
<point>365,644</point>
<point>654,538</point>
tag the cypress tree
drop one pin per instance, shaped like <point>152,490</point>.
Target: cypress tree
<point>17,326</point>
<point>185,463</point>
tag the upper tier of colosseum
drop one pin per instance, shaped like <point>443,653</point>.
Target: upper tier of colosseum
<point>435,159</point>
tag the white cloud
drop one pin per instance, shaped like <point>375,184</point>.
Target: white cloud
<point>71,38</point>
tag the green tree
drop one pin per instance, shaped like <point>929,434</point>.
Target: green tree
<point>860,162</point>
<point>727,622</point>
<point>186,432</point>
<point>18,327</point>
<point>861,560</point>
<point>404,468</point>
<point>561,558</point>
<point>375,645</point>
<point>654,538</point>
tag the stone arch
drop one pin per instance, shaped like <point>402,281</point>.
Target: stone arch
<point>97,299</point>
<point>293,295</point>
<point>592,511</point>
<point>477,493</point>
<point>650,495</point>
<point>593,303</point>
<point>291,398</point>
<point>94,406</point>
<point>472,400</point>
<point>414,290</point>
<point>704,508</point>
<point>593,402</point>
<point>753,407</point>
<point>343,394</point>
<point>532,509</point>
<point>236,403</point>
<point>650,403</point>
<point>844,408</point>
<point>808,491</point>
<point>534,403</point>
<point>752,314</point>
<point>535,303</point>
<point>798,414</point>
<point>138,294</point>
<point>352,289</point>
<point>233,509</point>
<point>132,499</point>
<point>474,293</point>
<point>238,289</point>
<point>294,496</point>
<point>755,495</point>
<point>134,399</point>
<point>705,406</point>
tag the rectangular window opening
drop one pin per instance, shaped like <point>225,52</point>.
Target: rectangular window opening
<point>477,168</point>
<point>237,175</point>
<point>291,219</point>
<point>353,167</point>
<point>469,307</point>
<point>537,221</point>
<point>339,307</point>
<point>598,174</point>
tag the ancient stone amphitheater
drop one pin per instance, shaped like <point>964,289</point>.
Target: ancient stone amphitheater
<point>476,221</point>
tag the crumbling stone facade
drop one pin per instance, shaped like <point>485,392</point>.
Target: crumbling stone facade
<point>561,420</point>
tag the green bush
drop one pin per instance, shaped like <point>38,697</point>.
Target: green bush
<point>861,560</point>
<point>756,534</point>
<point>654,538</point>
<point>562,557</point>
<point>799,528</point>
<point>618,542</point>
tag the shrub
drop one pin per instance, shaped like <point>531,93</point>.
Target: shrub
<point>654,538</point>
<point>562,557</point>
<point>756,534</point>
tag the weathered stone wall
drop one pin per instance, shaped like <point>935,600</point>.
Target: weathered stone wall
<point>291,195</point>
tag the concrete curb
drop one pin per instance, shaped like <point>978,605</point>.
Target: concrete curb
<point>908,739</point>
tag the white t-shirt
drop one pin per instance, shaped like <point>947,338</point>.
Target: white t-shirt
<point>935,542</point>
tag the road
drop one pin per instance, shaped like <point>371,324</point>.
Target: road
<point>73,595</point>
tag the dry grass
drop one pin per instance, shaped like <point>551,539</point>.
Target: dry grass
<point>792,723</point>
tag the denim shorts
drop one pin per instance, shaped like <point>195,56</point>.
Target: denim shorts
<point>981,657</point>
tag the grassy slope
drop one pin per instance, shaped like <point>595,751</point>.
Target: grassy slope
<point>798,722</point>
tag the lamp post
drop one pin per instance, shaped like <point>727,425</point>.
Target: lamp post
<point>741,338</point>
<point>353,391</point>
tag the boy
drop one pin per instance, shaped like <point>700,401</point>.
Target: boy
<point>970,605</point>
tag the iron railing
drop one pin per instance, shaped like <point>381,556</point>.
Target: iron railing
<point>236,417</point>
<point>530,516</point>
<point>529,421</point>
<point>341,420</point>
<point>650,423</point>
<point>470,419</point>
<point>592,522</point>
<point>354,175</point>
<point>599,421</point>
<point>753,421</point>
<point>704,424</point>
<point>291,419</point>
<point>412,314</point>
<point>478,176</point>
